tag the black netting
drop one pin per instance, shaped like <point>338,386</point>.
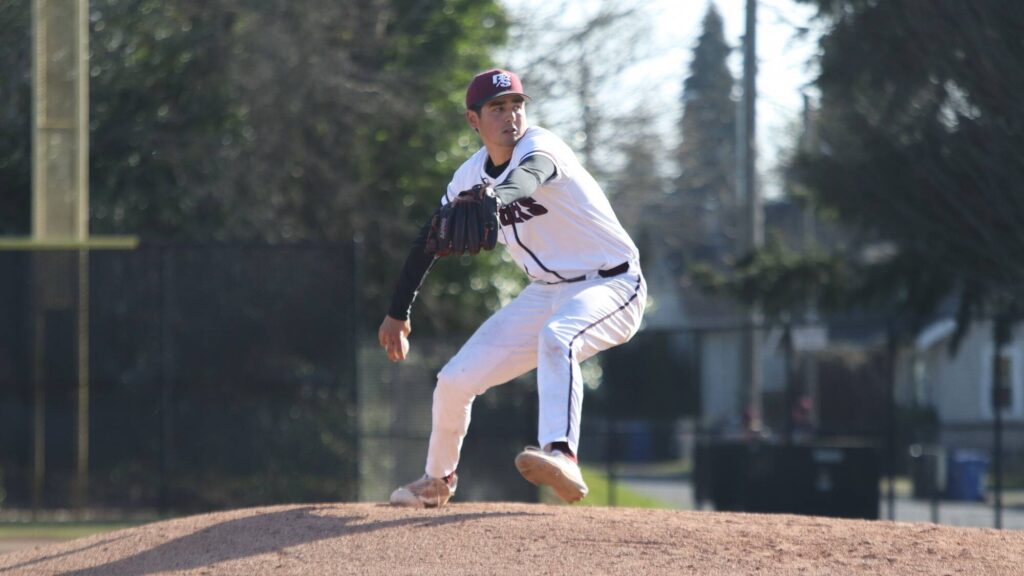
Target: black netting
<point>218,375</point>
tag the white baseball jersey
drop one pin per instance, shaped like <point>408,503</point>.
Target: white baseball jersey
<point>561,236</point>
<point>566,228</point>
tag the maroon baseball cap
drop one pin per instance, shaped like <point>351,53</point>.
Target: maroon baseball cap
<point>491,84</point>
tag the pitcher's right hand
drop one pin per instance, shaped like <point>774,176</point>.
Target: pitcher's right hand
<point>393,336</point>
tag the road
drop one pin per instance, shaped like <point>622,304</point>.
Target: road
<point>679,494</point>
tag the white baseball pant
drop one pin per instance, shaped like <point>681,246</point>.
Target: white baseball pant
<point>551,327</point>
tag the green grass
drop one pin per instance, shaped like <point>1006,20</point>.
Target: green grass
<point>56,530</point>
<point>600,490</point>
<point>903,486</point>
<point>663,469</point>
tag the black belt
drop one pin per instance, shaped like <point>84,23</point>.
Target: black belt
<point>620,269</point>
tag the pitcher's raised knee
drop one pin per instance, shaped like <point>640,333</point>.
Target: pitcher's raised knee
<point>554,338</point>
<point>456,379</point>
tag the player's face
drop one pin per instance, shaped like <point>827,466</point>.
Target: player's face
<point>500,123</point>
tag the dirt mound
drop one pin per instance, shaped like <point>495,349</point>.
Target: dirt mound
<point>522,539</point>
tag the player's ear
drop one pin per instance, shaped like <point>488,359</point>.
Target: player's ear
<point>474,119</point>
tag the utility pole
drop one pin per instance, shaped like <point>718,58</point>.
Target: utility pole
<point>754,221</point>
<point>1000,400</point>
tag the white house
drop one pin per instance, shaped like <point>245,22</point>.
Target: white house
<point>959,386</point>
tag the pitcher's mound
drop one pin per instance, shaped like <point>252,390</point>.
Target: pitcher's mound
<point>522,539</point>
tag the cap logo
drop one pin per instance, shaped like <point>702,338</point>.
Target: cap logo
<point>502,80</point>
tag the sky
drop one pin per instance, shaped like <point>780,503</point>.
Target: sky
<point>674,27</point>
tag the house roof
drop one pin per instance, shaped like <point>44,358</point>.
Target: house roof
<point>934,333</point>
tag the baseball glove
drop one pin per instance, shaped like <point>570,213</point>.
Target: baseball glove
<point>465,225</point>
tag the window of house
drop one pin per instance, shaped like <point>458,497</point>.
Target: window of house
<point>1012,373</point>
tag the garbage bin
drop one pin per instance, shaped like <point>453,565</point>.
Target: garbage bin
<point>928,471</point>
<point>966,481</point>
<point>836,478</point>
<point>637,441</point>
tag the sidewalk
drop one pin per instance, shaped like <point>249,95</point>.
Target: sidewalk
<point>974,514</point>
<point>678,494</point>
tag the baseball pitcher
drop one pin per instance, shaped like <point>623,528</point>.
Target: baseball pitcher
<point>524,189</point>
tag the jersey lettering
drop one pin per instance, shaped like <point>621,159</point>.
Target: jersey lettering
<point>520,211</point>
<point>577,231</point>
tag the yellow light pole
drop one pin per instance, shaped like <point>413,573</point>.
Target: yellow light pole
<point>60,211</point>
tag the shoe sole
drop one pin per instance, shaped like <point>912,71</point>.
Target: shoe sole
<point>540,471</point>
<point>417,504</point>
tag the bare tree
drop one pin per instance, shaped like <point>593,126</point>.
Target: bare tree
<point>570,56</point>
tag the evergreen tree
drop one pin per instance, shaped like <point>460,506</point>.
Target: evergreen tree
<point>706,209</point>
<point>920,132</point>
<point>921,129</point>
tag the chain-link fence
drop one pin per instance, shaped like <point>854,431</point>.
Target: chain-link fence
<point>191,377</point>
<point>638,400</point>
<point>177,377</point>
<point>394,424</point>
<point>860,419</point>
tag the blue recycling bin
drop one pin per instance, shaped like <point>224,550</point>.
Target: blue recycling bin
<point>966,476</point>
<point>637,441</point>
